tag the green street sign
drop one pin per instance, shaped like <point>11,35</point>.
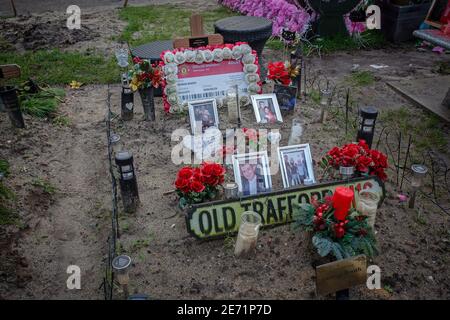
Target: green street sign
<point>220,218</point>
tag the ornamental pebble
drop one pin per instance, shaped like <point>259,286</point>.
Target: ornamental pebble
<point>189,55</point>
<point>169,57</point>
<point>226,53</point>
<point>199,58</point>
<point>246,49</point>
<point>236,52</point>
<point>180,58</point>
<point>208,56</point>
<point>248,59</point>
<point>250,68</point>
<point>217,55</point>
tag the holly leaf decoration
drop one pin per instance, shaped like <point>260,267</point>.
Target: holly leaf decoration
<point>323,245</point>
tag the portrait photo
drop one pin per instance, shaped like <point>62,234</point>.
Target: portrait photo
<point>252,173</point>
<point>286,96</point>
<point>203,115</point>
<point>296,165</point>
<point>266,108</point>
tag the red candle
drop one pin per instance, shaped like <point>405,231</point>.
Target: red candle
<point>342,200</point>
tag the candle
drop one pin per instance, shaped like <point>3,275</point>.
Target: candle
<point>368,205</point>
<point>342,200</point>
<point>248,234</point>
<point>231,190</point>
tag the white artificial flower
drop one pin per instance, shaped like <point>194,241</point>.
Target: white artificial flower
<point>227,53</point>
<point>189,55</point>
<point>208,55</point>
<point>170,89</point>
<point>250,68</point>
<point>169,57</point>
<point>248,59</point>
<point>171,78</point>
<point>253,88</point>
<point>180,58</point>
<point>252,77</point>
<point>244,100</point>
<point>246,49</point>
<point>217,55</point>
<point>236,52</point>
<point>172,98</point>
<point>199,58</point>
<point>170,68</point>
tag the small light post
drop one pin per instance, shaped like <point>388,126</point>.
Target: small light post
<point>419,173</point>
<point>325,101</point>
<point>367,118</point>
<point>127,103</point>
<point>121,265</point>
<point>128,182</point>
<point>116,143</point>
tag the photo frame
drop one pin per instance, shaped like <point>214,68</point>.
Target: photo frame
<point>434,13</point>
<point>266,108</point>
<point>204,111</point>
<point>252,173</point>
<point>208,72</point>
<point>296,165</point>
<point>286,96</point>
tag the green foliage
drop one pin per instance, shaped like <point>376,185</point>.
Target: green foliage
<point>46,186</point>
<point>4,167</point>
<point>361,78</point>
<point>302,216</point>
<point>8,216</point>
<point>62,121</point>
<point>42,104</point>
<point>59,67</point>
<point>162,22</point>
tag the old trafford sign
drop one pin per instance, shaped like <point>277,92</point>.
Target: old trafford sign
<point>220,218</point>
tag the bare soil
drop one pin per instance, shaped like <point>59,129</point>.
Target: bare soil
<point>72,225</point>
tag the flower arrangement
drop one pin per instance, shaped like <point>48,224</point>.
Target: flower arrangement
<point>196,184</point>
<point>364,160</point>
<point>144,74</point>
<point>336,229</point>
<point>282,72</point>
<point>171,59</point>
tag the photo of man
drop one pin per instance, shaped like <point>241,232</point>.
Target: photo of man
<point>252,179</point>
<point>296,165</point>
<point>204,113</point>
<point>266,111</point>
<point>266,108</point>
<point>252,173</point>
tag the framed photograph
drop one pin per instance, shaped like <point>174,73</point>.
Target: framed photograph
<point>252,172</point>
<point>203,115</point>
<point>296,165</point>
<point>266,108</point>
<point>286,96</point>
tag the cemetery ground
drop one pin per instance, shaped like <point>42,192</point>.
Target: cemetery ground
<point>57,212</point>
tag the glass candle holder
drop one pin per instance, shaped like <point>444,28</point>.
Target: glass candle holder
<point>368,205</point>
<point>116,143</point>
<point>248,234</point>
<point>296,132</point>
<point>231,190</point>
<point>419,172</point>
<point>325,100</point>
<point>346,172</point>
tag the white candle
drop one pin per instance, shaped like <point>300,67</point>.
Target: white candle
<point>248,234</point>
<point>368,205</point>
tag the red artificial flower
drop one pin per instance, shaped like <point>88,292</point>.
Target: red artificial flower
<point>278,72</point>
<point>185,173</point>
<point>379,158</point>
<point>363,163</point>
<point>182,185</point>
<point>380,173</point>
<point>196,186</point>
<point>362,143</point>
<point>137,60</point>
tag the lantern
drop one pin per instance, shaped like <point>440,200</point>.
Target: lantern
<point>367,117</point>
<point>127,103</point>
<point>121,265</point>
<point>116,144</point>
<point>248,234</point>
<point>128,182</point>
<point>419,173</point>
<point>231,190</point>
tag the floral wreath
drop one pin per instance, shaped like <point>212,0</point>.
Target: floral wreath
<point>208,54</point>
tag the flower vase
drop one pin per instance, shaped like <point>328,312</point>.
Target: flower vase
<point>148,102</point>
<point>346,172</point>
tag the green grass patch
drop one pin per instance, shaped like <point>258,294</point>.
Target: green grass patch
<point>4,167</point>
<point>42,104</point>
<point>164,22</point>
<point>9,216</point>
<point>46,186</point>
<point>361,78</point>
<point>58,67</point>
<point>62,121</point>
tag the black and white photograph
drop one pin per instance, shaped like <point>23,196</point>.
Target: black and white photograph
<point>252,173</point>
<point>203,113</point>
<point>286,96</point>
<point>296,165</point>
<point>266,108</point>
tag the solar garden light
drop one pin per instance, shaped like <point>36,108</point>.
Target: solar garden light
<point>121,266</point>
<point>325,100</point>
<point>128,182</point>
<point>367,118</point>
<point>419,173</point>
<point>127,103</point>
<point>116,143</point>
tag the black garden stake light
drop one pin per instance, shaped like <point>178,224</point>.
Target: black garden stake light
<point>121,265</point>
<point>367,118</point>
<point>127,103</point>
<point>128,182</point>
<point>419,173</point>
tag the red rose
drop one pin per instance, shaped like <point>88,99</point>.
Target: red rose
<point>182,185</point>
<point>196,186</point>
<point>379,159</point>
<point>350,150</point>
<point>185,173</point>
<point>363,163</point>
<point>362,144</point>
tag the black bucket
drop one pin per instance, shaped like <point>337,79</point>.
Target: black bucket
<point>11,104</point>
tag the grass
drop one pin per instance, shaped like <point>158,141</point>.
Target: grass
<point>42,104</point>
<point>4,167</point>
<point>164,22</point>
<point>8,216</point>
<point>58,67</point>
<point>62,121</point>
<point>361,78</point>
<point>46,186</point>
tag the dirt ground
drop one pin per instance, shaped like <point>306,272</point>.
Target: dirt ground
<point>71,226</point>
